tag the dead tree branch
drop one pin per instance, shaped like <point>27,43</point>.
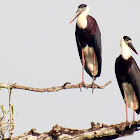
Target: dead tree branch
<point>67,85</point>
<point>97,131</point>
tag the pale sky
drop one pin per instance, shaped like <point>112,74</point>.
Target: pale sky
<point>38,49</point>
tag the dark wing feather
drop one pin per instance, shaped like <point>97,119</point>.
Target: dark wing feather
<point>134,76</point>
<point>95,41</point>
<point>119,77</point>
<point>98,49</point>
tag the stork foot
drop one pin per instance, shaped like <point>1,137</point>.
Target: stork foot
<point>127,121</point>
<point>82,84</point>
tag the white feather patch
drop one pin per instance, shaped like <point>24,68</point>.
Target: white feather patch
<point>89,57</point>
<point>125,51</point>
<point>82,19</point>
<point>128,89</point>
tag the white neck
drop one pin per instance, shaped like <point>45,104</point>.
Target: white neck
<point>125,51</point>
<point>82,19</point>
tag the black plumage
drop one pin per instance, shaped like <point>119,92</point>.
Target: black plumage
<point>90,36</point>
<point>128,71</point>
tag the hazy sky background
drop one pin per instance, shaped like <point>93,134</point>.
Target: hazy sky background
<point>38,49</point>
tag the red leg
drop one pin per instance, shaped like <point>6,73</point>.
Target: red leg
<point>83,62</point>
<point>126,106</point>
<point>134,108</point>
<point>93,70</point>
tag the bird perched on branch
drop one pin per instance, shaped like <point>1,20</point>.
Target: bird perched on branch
<point>88,38</point>
<point>128,76</point>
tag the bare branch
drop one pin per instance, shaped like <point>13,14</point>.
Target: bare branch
<point>51,89</point>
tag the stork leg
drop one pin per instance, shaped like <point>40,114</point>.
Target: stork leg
<point>93,71</point>
<point>126,106</point>
<point>134,108</point>
<point>83,62</point>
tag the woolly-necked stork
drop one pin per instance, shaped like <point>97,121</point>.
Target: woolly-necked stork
<point>128,76</point>
<point>88,38</point>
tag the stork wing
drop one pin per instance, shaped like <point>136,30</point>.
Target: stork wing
<point>119,77</point>
<point>134,76</point>
<point>98,49</point>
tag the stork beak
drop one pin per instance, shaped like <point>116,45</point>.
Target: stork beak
<point>75,16</point>
<point>132,47</point>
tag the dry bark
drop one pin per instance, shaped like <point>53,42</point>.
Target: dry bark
<point>67,85</point>
<point>96,132</point>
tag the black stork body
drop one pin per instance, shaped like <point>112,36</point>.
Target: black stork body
<point>88,38</point>
<point>128,76</point>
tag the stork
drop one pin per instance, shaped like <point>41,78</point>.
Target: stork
<point>128,76</point>
<point>88,38</point>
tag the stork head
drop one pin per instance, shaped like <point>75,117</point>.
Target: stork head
<point>126,41</point>
<point>83,9</point>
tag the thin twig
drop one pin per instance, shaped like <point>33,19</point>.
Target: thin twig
<point>10,127</point>
<point>51,89</point>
